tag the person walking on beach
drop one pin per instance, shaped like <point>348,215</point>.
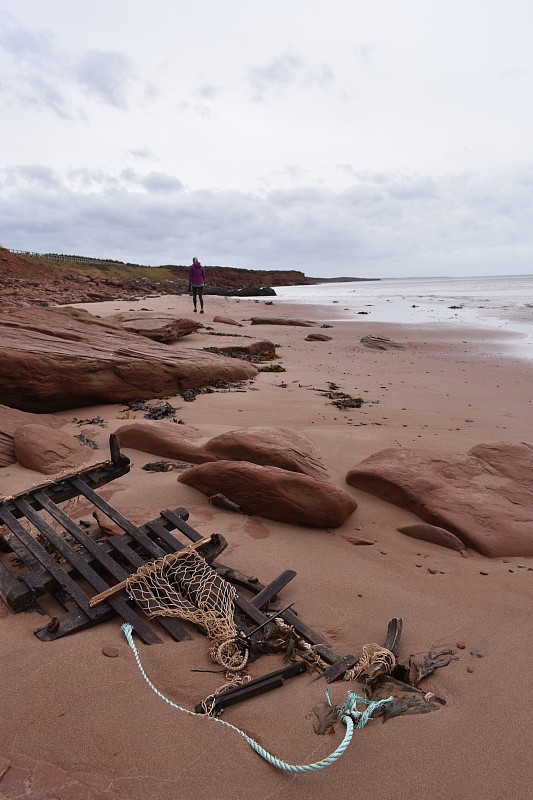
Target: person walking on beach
<point>197,283</point>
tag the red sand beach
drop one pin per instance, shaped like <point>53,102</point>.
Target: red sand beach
<point>78,724</point>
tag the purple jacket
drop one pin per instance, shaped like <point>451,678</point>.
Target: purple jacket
<point>196,275</point>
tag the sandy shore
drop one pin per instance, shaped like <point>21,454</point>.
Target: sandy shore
<point>66,704</point>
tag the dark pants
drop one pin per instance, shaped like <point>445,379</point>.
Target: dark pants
<point>198,291</point>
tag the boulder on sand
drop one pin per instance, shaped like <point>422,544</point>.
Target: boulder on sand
<point>275,447</point>
<point>59,358</point>
<point>227,321</point>
<point>273,493</point>
<point>10,420</point>
<point>160,326</point>
<point>49,451</point>
<point>166,439</point>
<point>484,497</point>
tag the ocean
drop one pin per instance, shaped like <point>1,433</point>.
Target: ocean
<point>503,302</point>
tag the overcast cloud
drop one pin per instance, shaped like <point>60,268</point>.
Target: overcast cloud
<point>339,138</point>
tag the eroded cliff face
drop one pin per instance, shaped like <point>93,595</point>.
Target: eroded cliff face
<point>24,281</point>
<point>234,278</point>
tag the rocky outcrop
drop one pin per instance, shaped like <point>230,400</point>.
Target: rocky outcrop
<point>275,447</point>
<point>485,497</point>
<point>62,358</point>
<point>165,439</point>
<point>303,323</point>
<point>49,451</point>
<point>273,493</point>
<point>154,325</point>
<point>317,337</point>
<point>10,420</point>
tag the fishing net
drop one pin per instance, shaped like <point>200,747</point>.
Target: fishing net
<point>183,585</point>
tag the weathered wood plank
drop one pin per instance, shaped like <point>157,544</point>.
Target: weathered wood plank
<point>16,594</point>
<point>265,683</point>
<point>270,591</point>
<point>71,622</point>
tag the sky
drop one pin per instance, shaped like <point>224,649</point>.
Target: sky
<point>358,138</point>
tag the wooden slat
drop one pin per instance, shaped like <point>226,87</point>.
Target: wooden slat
<point>265,683</point>
<point>71,622</point>
<point>63,489</point>
<point>271,590</point>
<point>118,518</point>
<point>180,524</point>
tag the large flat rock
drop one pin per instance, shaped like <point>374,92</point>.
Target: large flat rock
<point>485,497</point>
<point>273,493</point>
<point>160,326</point>
<point>59,358</point>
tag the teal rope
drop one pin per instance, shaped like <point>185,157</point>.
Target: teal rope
<point>348,714</point>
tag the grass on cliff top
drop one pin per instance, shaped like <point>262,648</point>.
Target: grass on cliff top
<point>107,269</point>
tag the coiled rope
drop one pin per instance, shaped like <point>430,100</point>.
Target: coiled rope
<point>347,713</point>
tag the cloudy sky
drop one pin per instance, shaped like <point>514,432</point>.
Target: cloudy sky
<point>370,138</point>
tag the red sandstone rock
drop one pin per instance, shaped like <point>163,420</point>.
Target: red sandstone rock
<point>154,325</point>
<point>276,447</point>
<point>435,535</point>
<point>303,323</point>
<point>49,451</point>
<point>485,497</point>
<point>181,442</point>
<point>261,348</point>
<point>58,358</point>
<point>227,321</point>
<point>10,420</point>
<point>273,493</point>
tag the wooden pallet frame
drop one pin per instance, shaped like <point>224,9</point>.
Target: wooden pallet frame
<point>74,574</point>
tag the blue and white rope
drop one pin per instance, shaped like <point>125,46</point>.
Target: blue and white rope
<point>347,713</point>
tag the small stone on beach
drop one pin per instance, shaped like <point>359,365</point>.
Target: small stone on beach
<point>110,651</point>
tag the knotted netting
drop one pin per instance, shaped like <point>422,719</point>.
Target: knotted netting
<point>184,585</point>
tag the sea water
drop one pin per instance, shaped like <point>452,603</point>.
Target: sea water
<point>496,302</point>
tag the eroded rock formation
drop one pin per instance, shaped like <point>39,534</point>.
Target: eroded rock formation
<point>58,358</point>
<point>485,497</point>
<point>154,325</point>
